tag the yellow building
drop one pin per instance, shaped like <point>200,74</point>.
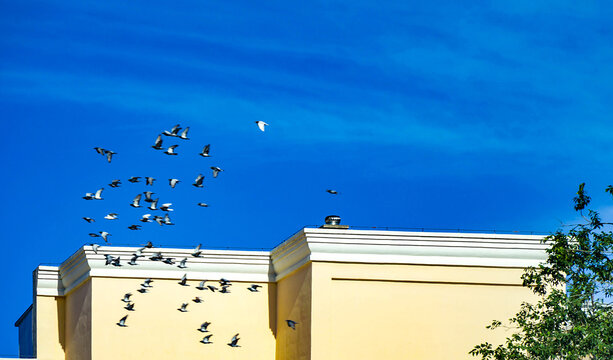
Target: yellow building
<point>354,294</point>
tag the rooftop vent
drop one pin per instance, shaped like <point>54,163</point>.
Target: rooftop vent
<point>334,222</point>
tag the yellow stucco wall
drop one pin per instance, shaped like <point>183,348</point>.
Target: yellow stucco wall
<point>408,312</point>
<point>50,335</point>
<point>78,323</point>
<point>294,303</point>
<point>157,330</point>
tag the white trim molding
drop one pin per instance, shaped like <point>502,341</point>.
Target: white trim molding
<point>307,245</point>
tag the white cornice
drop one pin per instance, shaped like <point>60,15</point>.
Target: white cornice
<point>330,245</point>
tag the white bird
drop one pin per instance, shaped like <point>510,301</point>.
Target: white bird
<point>216,170</point>
<point>198,181</point>
<point>184,134</point>
<point>166,207</point>
<point>104,235</point>
<point>98,194</point>
<point>95,247</point>
<point>173,132</point>
<point>111,216</point>
<point>261,125</point>
<point>145,218</point>
<point>171,150</point>
<point>149,180</point>
<point>173,182</point>
<point>201,285</point>
<point>153,205</point>
<point>136,201</point>
<point>158,143</point>
<point>205,151</point>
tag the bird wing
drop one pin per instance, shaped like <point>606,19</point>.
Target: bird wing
<point>261,125</point>
<point>175,129</point>
<point>206,149</point>
<point>158,141</point>
<point>136,199</point>
<point>99,193</point>
<point>184,133</point>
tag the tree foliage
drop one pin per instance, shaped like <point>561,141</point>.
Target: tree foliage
<point>573,317</point>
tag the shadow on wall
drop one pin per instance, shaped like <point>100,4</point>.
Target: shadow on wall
<point>272,308</point>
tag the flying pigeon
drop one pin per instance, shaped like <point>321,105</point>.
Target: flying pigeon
<point>224,282</point>
<point>139,252</point>
<point>203,204</point>
<point>254,288</point>
<point>129,307</point>
<point>198,181</point>
<point>224,289</point>
<point>173,182</point>
<point>104,235</point>
<point>109,155</point>
<point>94,235</point>
<point>122,321</point>
<point>99,150</point>
<point>134,179</point>
<point>201,285</point>
<point>167,220</point>
<point>95,248</point>
<point>216,170</point>
<point>134,227</point>
<point>145,218</point>
<point>149,180</point>
<point>149,245</point>
<point>133,260</point>
<point>89,220</point>
<point>166,207</point>
<point>206,339</point>
<point>212,288</point>
<point>168,261</point>
<point>159,220</point>
<point>147,283</point>
<point>153,205</point>
<point>158,143</point>
<point>234,341</point>
<point>204,326</point>
<point>111,216</point>
<point>197,300</point>
<point>197,251</point>
<point>183,307</point>
<point>136,201</point>
<point>115,183</point>
<point>183,281</point>
<point>89,196</point>
<point>184,134</point>
<point>171,150</point>
<point>126,298</point>
<point>148,196</point>
<point>205,151</point>
<point>291,323</point>
<point>333,192</point>
<point>109,259</point>
<point>173,132</point>
<point>261,125</point>
<point>143,289</point>
<point>116,261</point>
<point>156,257</point>
<point>98,194</point>
<point>182,264</point>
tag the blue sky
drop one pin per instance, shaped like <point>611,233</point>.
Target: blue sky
<point>434,115</point>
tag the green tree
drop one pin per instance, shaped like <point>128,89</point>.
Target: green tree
<point>573,317</point>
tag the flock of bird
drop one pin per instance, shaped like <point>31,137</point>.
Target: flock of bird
<point>153,205</point>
